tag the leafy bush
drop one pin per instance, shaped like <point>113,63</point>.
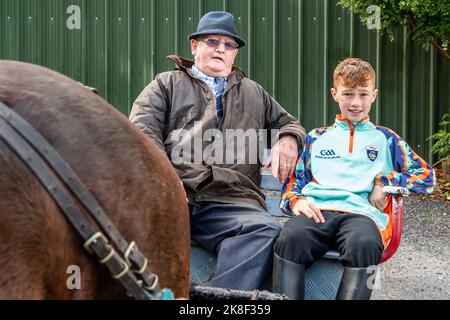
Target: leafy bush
<point>442,149</point>
<point>442,145</point>
<point>428,20</point>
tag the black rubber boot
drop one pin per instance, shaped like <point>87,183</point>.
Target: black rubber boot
<point>355,284</point>
<point>288,278</point>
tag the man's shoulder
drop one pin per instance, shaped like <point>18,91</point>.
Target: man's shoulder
<point>170,74</point>
<point>170,78</point>
<point>251,84</point>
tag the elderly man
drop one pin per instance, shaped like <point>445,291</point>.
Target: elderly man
<point>178,108</point>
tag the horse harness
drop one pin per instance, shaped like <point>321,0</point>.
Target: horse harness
<point>124,260</point>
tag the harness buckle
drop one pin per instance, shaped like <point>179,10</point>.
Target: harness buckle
<point>93,239</point>
<point>154,284</point>
<point>132,246</point>
<point>122,273</point>
<point>109,255</point>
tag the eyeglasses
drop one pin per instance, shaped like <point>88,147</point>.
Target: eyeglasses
<point>214,43</point>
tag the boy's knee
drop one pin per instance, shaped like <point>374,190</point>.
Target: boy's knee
<point>362,251</point>
<point>365,244</point>
<point>295,232</point>
<point>294,245</point>
<point>290,237</point>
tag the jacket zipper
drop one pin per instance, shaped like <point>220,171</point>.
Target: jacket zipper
<point>352,136</point>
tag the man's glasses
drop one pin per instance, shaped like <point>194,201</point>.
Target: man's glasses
<point>214,43</point>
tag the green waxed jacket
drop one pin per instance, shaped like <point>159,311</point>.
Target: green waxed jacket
<point>177,100</point>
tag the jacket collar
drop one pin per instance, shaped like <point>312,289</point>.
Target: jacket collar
<point>344,123</point>
<point>184,64</point>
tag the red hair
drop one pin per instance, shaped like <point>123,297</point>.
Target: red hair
<point>353,72</point>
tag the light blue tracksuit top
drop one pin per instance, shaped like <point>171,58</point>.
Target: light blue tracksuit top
<point>340,164</point>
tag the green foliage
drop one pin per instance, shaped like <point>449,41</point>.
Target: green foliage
<point>427,20</point>
<point>442,145</point>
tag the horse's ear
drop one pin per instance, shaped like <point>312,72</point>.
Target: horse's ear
<point>94,90</point>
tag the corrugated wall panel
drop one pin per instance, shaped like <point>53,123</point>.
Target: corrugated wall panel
<point>119,49</point>
<point>391,84</point>
<point>74,41</point>
<point>52,23</point>
<point>96,68</point>
<point>31,34</point>
<point>189,14</point>
<point>287,48</point>
<point>340,44</point>
<point>263,20</point>
<point>212,5</point>
<point>293,47</point>
<point>142,45</point>
<point>165,34</point>
<point>314,64</point>
<point>241,11</point>
<point>418,122</point>
<point>10,18</point>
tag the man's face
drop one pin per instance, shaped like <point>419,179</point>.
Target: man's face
<point>355,103</point>
<point>213,58</point>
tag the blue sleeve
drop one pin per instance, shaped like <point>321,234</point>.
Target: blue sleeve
<point>410,171</point>
<point>291,192</point>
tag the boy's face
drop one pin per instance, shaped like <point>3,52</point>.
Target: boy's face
<point>355,103</point>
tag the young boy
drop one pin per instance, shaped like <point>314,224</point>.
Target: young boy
<point>335,194</point>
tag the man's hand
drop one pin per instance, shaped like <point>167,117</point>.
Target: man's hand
<point>283,157</point>
<point>378,198</point>
<point>309,209</point>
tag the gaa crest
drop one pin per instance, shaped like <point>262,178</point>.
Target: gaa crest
<point>372,153</point>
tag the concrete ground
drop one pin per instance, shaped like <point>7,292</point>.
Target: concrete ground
<point>420,269</point>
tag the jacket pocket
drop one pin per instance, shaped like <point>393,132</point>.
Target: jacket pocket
<point>185,117</point>
<point>224,176</point>
<point>221,178</point>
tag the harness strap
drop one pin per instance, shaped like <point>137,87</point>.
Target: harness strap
<point>60,167</point>
<point>12,122</point>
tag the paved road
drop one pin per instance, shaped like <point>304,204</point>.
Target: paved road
<point>420,268</point>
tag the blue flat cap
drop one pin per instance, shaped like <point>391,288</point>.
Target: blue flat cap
<point>217,22</point>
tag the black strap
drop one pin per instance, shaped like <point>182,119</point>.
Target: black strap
<point>19,134</point>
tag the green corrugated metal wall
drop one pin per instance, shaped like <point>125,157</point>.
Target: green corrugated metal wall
<point>293,47</point>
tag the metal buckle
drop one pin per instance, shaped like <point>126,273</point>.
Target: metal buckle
<point>130,248</point>
<point>153,286</point>
<point>128,252</point>
<point>93,239</point>
<point>108,256</point>
<point>122,273</point>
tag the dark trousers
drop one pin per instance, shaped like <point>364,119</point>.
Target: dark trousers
<point>243,239</point>
<point>355,236</point>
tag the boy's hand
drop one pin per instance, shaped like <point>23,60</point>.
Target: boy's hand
<point>378,198</point>
<point>309,209</point>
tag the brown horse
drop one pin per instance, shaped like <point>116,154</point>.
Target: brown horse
<point>129,176</point>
